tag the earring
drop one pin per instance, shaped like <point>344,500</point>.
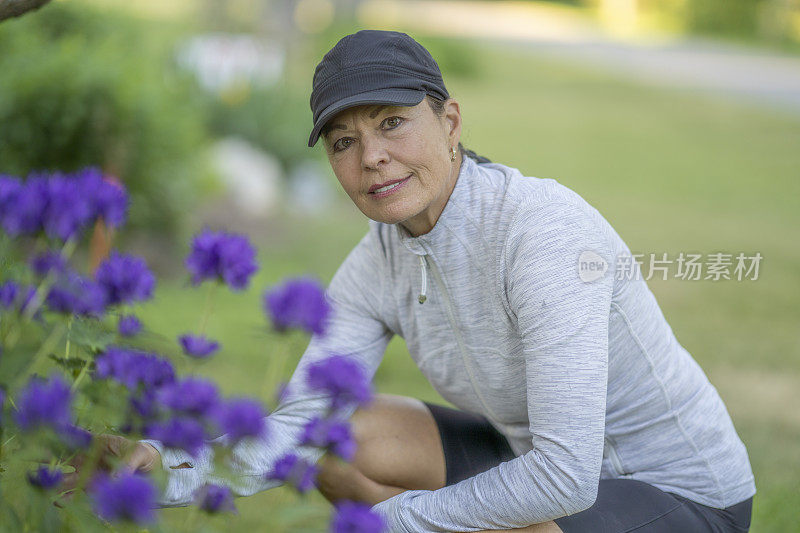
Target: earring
<point>453,153</point>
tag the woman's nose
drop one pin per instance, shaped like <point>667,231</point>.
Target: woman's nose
<point>373,153</point>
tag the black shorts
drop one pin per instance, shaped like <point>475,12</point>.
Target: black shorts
<point>471,445</point>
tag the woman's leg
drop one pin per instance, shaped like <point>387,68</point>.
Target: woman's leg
<point>399,448</point>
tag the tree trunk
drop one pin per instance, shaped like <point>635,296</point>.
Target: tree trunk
<point>15,8</point>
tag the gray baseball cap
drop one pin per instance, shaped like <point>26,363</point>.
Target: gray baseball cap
<point>372,67</point>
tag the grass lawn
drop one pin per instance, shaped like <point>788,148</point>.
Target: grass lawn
<point>672,171</point>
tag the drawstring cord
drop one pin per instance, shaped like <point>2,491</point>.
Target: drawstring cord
<point>424,287</point>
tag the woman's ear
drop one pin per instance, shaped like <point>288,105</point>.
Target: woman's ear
<point>452,117</point>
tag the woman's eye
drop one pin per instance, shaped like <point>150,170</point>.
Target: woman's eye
<point>393,122</point>
<point>340,144</point>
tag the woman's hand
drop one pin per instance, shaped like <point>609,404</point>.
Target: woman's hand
<point>135,456</point>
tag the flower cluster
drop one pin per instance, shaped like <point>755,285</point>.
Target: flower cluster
<point>181,413</point>
<point>198,346</point>
<point>60,205</point>
<point>355,517</point>
<point>342,378</point>
<point>125,279</point>
<point>186,413</point>
<point>15,296</point>
<point>129,325</point>
<point>221,256</point>
<point>45,478</point>
<point>120,279</point>
<point>346,383</point>
<point>128,497</point>
<point>134,368</point>
<point>330,434</point>
<point>214,499</point>
<point>293,469</point>
<point>298,303</point>
<point>48,404</point>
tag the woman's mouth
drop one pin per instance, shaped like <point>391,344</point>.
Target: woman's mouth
<point>389,189</point>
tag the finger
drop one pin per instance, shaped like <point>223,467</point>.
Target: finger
<point>112,449</point>
<point>143,457</point>
<point>115,445</point>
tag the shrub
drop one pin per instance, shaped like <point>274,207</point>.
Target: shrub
<point>82,86</point>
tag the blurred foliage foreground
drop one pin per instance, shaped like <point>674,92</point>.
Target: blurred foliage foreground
<point>80,384</point>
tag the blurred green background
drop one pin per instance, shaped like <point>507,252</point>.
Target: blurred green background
<point>673,169</point>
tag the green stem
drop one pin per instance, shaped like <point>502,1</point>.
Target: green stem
<point>46,347</point>
<point>80,376</point>
<point>207,307</point>
<point>275,366</point>
<point>38,298</point>
<point>69,332</point>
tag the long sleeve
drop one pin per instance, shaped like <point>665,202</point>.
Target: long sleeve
<point>563,324</point>
<point>355,328</point>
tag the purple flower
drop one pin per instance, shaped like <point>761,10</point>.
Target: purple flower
<point>241,418</point>
<point>354,517</point>
<point>68,210</point>
<point>342,378</point>
<point>128,497</point>
<point>214,499</point>
<point>221,256</point>
<point>298,303</point>
<point>23,205</point>
<point>133,368</point>
<point>75,294</point>
<point>198,345</point>
<point>10,187</point>
<point>75,437</point>
<point>181,433</point>
<point>25,299</point>
<point>294,470</point>
<point>108,197</point>
<point>49,261</point>
<point>144,403</point>
<point>60,205</point>
<point>190,396</point>
<point>125,278</point>
<point>334,435</point>
<point>129,325</point>
<point>44,478</point>
<point>8,294</point>
<point>44,403</point>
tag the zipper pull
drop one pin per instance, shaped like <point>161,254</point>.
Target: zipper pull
<point>424,286</point>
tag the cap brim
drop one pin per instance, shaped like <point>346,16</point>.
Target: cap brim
<point>407,97</point>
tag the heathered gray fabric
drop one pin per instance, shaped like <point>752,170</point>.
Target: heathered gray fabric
<point>585,379</point>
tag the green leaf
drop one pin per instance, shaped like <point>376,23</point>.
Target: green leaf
<point>73,364</point>
<point>91,334</point>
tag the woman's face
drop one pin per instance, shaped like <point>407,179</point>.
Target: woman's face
<point>371,145</point>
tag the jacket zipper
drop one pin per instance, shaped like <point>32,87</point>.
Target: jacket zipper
<point>614,458</point>
<point>424,283</point>
<point>457,333</point>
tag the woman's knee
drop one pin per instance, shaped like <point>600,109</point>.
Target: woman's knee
<point>398,443</point>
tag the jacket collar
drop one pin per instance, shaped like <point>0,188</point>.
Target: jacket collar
<point>420,245</point>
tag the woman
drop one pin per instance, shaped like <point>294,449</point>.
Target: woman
<point>579,410</point>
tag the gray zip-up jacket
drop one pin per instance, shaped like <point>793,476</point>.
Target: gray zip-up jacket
<point>574,363</point>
